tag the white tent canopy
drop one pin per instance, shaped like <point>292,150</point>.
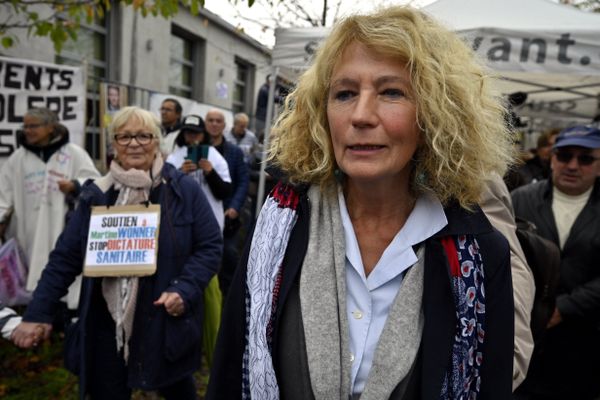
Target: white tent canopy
<point>549,51</point>
<point>294,48</point>
<point>518,15</point>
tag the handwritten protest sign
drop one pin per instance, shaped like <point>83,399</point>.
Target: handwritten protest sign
<point>122,241</point>
<point>26,84</point>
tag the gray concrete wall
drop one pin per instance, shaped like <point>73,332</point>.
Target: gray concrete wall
<point>29,47</point>
<point>139,53</point>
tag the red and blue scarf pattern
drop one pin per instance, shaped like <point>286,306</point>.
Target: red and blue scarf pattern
<point>463,379</point>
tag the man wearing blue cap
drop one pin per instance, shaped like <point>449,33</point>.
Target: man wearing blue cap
<point>566,210</point>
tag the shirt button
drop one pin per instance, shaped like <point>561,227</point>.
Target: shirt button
<point>357,314</point>
<point>351,357</point>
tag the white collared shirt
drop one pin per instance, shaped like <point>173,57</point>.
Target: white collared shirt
<point>369,299</point>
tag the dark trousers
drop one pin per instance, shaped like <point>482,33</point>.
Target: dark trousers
<point>108,371</point>
<point>229,262</point>
<point>566,365</point>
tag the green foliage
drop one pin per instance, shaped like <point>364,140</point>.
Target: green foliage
<point>7,41</point>
<point>35,374</point>
<point>38,374</point>
<point>64,17</point>
<point>587,5</point>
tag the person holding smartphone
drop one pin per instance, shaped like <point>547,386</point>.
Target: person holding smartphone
<point>193,155</point>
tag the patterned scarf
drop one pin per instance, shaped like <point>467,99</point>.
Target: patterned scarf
<point>120,293</point>
<point>463,380</point>
<point>273,228</point>
<point>264,274</point>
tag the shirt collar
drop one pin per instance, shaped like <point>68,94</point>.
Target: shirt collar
<point>425,220</point>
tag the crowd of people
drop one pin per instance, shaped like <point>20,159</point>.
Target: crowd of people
<point>384,263</point>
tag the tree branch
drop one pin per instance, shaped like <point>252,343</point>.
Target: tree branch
<point>56,3</point>
<point>300,11</point>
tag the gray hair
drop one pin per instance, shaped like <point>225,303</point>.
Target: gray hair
<point>241,117</point>
<point>147,119</point>
<point>44,115</point>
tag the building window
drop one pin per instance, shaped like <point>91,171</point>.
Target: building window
<point>181,66</point>
<point>242,91</point>
<point>90,48</point>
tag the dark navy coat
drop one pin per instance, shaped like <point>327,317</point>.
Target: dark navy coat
<point>163,348</point>
<point>240,176</point>
<point>435,352</point>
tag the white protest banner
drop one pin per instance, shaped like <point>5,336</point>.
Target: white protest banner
<point>561,52</point>
<point>26,84</point>
<point>122,241</point>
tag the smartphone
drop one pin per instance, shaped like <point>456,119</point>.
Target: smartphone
<point>204,151</point>
<point>192,154</point>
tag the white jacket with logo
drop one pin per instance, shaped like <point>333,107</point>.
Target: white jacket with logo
<point>29,186</point>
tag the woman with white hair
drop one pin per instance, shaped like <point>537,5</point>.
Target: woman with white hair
<point>134,332</point>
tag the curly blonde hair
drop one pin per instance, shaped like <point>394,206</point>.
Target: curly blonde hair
<point>462,121</point>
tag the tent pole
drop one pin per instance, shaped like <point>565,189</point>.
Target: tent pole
<point>260,194</point>
<point>548,88</point>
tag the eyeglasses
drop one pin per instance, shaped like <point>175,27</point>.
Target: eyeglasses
<point>32,126</point>
<point>582,159</point>
<point>165,109</point>
<point>125,138</point>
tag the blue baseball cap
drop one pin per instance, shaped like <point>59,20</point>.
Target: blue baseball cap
<point>580,135</point>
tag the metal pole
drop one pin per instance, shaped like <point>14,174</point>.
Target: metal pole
<point>260,195</point>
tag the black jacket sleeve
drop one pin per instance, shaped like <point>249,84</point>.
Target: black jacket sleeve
<point>219,188</point>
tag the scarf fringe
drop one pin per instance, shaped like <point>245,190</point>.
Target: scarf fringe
<point>120,293</point>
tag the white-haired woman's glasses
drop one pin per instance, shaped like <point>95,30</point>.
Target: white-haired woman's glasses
<point>125,138</point>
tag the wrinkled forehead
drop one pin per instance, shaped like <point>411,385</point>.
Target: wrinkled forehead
<point>134,124</point>
<point>215,117</point>
<point>356,48</point>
